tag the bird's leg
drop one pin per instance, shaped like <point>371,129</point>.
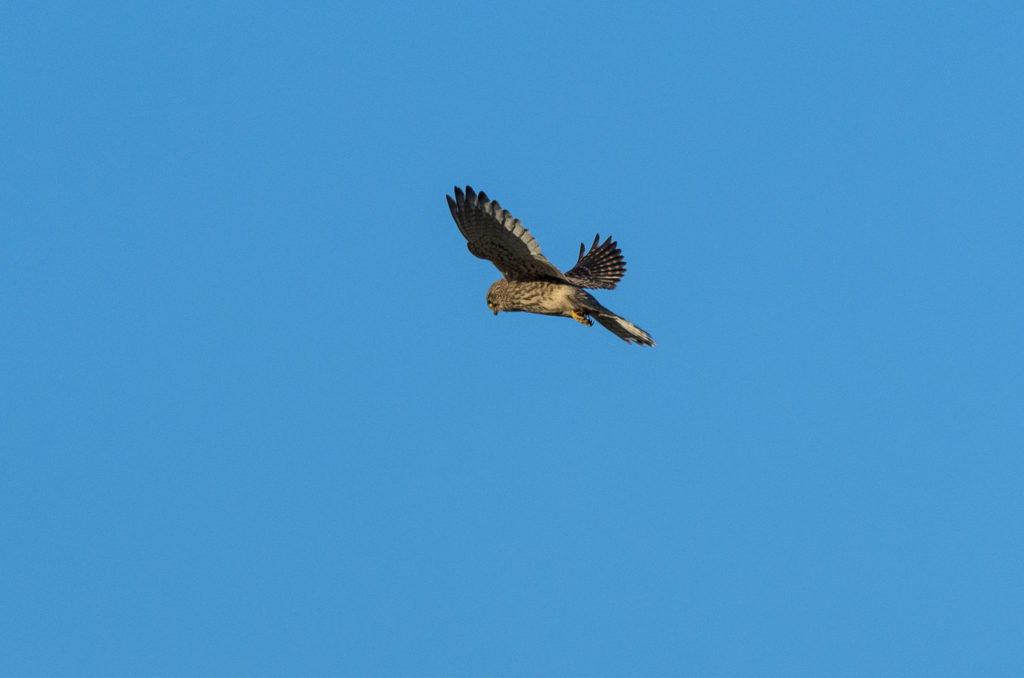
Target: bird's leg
<point>581,318</point>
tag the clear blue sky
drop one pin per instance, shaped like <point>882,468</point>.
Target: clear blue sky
<point>257,419</point>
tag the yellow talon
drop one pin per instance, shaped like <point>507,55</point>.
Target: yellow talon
<point>582,318</point>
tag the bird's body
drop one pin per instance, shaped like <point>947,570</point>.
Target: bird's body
<point>533,284</point>
<point>536,296</point>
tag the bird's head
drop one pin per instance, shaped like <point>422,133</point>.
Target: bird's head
<point>496,295</point>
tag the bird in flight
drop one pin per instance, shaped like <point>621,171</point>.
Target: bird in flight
<point>533,284</point>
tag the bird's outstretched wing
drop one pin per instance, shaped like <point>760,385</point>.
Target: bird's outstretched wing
<point>491,233</point>
<point>601,268</point>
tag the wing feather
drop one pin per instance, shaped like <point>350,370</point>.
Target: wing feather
<point>492,233</point>
<point>601,268</point>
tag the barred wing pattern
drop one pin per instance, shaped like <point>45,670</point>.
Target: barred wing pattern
<point>601,268</point>
<point>491,233</point>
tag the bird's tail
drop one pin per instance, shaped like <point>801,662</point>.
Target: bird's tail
<point>622,328</point>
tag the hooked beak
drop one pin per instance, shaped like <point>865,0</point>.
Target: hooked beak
<point>495,311</point>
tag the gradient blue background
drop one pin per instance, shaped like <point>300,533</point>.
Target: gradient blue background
<point>257,419</point>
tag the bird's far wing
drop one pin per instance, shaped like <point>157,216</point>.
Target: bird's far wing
<point>491,233</point>
<point>601,268</point>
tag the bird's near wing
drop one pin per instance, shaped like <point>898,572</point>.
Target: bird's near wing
<point>491,233</point>
<point>601,268</point>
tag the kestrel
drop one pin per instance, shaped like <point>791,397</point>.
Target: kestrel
<point>533,284</point>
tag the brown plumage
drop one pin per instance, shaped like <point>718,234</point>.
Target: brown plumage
<point>533,284</point>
